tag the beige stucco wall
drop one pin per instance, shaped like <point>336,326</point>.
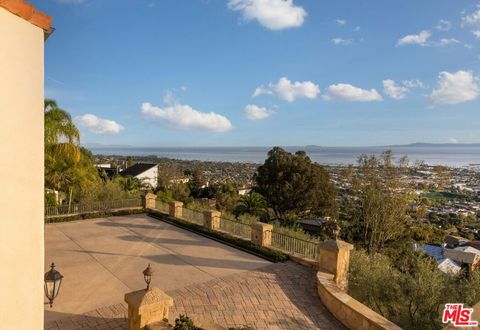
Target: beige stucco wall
<point>352,313</point>
<point>21,173</point>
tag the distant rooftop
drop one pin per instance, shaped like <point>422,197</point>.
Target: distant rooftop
<point>137,169</point>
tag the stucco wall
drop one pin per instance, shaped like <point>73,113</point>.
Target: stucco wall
<point>352,313</point>
<point>21,173</point>
<point>150,176</point>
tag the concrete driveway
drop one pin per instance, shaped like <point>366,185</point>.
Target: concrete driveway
<point>103,259</point>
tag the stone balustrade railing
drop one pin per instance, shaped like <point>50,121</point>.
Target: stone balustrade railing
<point>332,277</point>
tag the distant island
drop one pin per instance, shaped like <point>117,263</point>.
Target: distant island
<point>310,146</point>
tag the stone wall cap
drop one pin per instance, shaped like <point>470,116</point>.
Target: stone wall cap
<point>142,298</point>
<point>262,226</point>
<point>212,213</point>
<point>176,203</point>
<point>150,195</point>
<point>336,245</point>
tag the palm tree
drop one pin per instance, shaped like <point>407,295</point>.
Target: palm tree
<point>253,204</point>
<point>62,150</point>
<point>61,135</point>
<point>130,183</point>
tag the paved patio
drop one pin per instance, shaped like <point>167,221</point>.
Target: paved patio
<point>102,260</point>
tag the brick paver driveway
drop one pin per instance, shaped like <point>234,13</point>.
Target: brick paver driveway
<point>279,296</point>
<point>102,259</point>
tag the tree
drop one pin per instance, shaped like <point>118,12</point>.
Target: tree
<point>61,136</point>
<point>197,183</point>
<point>291,183</point>
<point>410,292</point>
<point>225,194</point>
<point>130,161</point>
<point>443,176</point>
<point>71,176</point>
<point>252,204</point>
<point>130,183</point>
<point>62,151</point>
<point>379,202</point>
<point>167,172</point>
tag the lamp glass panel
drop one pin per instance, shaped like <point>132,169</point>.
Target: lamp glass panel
<point>56,287</point>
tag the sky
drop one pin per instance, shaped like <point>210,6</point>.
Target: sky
<point>172,73</point>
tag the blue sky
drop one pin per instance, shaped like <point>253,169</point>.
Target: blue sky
<point>266,72</point>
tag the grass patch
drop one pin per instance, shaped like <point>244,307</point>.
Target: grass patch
<point>247,246</point>
<point>442,196</point>
<point>93,215</point>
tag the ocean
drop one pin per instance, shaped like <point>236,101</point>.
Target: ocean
<point>454,156</point>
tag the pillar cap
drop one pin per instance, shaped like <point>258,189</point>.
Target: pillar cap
<point>150,195</point>
<point>336,245</point>
<point>262,226</point>
<point>143,298</point>
<point>176,203</point>
<point>212,213</point>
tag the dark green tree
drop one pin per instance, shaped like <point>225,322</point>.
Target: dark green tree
<point>291,183</point>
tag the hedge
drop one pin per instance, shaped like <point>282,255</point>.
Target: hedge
<point>247,246</point>
<point>93,215</point>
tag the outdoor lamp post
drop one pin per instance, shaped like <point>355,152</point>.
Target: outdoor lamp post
<point>147,276</point>
<point>53,280</point>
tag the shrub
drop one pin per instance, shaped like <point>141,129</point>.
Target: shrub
<point>266,253</point>
<point>410,291</point>
<point>94,215</point>
<point>183,322</point>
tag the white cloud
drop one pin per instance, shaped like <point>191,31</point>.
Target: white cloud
<point>418,39</point>
<point>395,91</point>
<point>343,42</point>
<point>347,92</point>
<point>340,21</point>
<point>454,88</point>
<point>255,112</point>
<point>272,14</point>
<point>476,34</point>
<point>357,28</point>
<point>98,125</point>
<point>169,98</point>
<point>414,83</point>
<point>185,117</point>
<point>452,140</point>
<point>472,19</point>
<point>444,25</point>
<point>288,91</point>
<point>262,91</point>
<point>445,42</point>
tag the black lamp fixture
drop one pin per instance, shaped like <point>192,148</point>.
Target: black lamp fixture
<point>147,276</point>
<point>53,280</point>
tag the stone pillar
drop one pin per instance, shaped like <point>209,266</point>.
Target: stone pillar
<point>211,219</point>
<point>334,257</point>
<point>261,234</point>
<point>175,209</point>
<point>146,307</point>
<point>149,201</point>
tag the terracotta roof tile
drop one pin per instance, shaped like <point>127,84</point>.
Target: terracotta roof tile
<point>28,12</point>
